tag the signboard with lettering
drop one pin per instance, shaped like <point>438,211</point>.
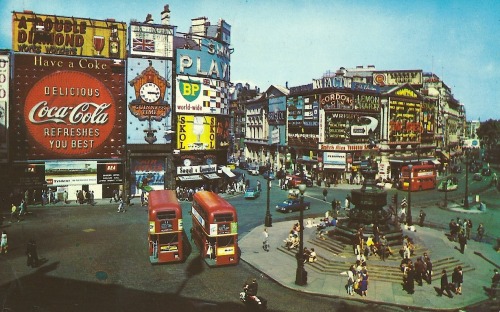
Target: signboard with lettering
<point>334,160</point>
<point>201,96</point>
<point>367,102</point>
<point>4,105</point>
<point>61,173</point>
<point>28,175</point>
<point>209,64</point>
<point>150,96</point>
<point>404,122</point>
<point>196,132</point>
<point>332,82</point>
<point>68,107</point>
<point>71,36</point>
<point>277,111</point>
<point>348,127</point>
<point>151,40</point>
<point>397,77</point>
<point>337,100</point>
<point>109,173</point>
<point>405,110</point>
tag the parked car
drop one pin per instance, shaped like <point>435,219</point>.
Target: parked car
<point>270,174</point>
<point>253,172</point>
<point>251,193</point>
<point>486,172</point>
<point>477,177</point>
<point>289,205</point>
<point>450,184</point>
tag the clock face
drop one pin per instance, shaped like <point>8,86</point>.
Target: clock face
<point>187,162</point>
<point>149,92</point>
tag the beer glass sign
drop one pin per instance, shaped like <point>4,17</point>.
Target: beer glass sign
<point>98,44</point>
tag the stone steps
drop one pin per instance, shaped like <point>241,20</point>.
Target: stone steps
<point>388,271</point>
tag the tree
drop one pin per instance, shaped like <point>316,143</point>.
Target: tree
<point>489,133</point>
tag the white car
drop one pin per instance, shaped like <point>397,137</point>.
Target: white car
<point>253,172</point>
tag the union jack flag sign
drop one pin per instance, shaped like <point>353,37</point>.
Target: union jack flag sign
<point>143,45</point>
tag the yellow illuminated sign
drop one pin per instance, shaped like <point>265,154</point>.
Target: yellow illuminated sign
<point>60,35</point>
<point>196,132</point>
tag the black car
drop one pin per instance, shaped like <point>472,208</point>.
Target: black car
<point>308,182</point>
<point>477,177</point>
<point>289,205</point>
<point>486,172</point>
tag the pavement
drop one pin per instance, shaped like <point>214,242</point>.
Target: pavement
<point>281,267</point>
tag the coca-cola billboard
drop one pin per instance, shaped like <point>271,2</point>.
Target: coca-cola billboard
<point>67,107</point>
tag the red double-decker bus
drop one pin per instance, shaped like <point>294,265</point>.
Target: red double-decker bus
<point>423,177</point>
<point>215,229</point>
<point>166,238</point>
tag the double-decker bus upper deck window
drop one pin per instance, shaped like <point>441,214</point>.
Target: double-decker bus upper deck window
<point>165,215</point>
<point>223,217</point>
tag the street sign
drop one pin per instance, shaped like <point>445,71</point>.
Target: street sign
<point>403,202</point>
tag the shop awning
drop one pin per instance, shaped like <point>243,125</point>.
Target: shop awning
<point>195,177</point>
<point>228,172</point>
<point>211,176</point>
<point>436,162</point>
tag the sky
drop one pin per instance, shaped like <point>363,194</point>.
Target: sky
<point>278,42</point>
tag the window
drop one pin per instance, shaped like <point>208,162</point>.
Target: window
<point>223,217</point>
<point>164,215</point>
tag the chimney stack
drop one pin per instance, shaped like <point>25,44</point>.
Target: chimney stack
<point>165,15</point>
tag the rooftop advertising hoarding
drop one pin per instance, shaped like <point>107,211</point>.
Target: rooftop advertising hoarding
<point>71,36</point>
<point>397,77</point>
<point>149,101</point>
<point>4,105</point>
<point>201,96</point>
<point>148,40</point>
<point>212,61</point>
<point>277,111</point>
<point>67,108</point>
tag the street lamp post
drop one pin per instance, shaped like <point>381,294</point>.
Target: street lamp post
<point>446,193</point>
<point>409,221</point>
<point>301,274</point>
<point>466,198</point>
<point>268,221</point>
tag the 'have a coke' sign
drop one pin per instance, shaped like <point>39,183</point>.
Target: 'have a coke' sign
<point>67,107</point>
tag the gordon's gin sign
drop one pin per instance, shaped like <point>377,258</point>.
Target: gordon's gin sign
<point>68,107</point>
